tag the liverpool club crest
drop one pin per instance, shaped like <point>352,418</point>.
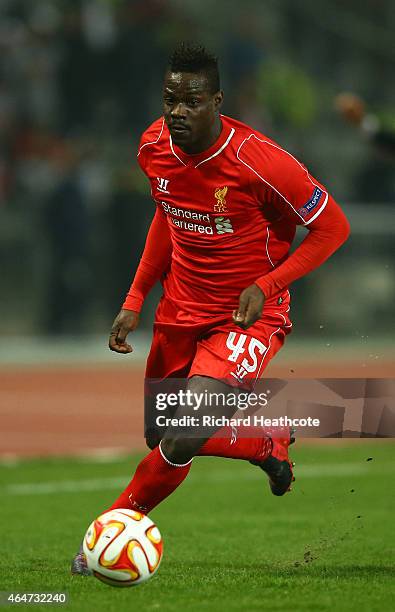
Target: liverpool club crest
<point>220,195</point>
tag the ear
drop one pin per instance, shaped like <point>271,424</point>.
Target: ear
<point>218,99</point>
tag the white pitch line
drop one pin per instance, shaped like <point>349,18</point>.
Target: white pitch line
<point>107,454</point>
<point>323,470</point>
<point>66,486</point>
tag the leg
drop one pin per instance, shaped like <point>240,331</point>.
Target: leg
<point>172,352</point>
<point>232,354</point>
<point>179,447</point>
<point>163,470</point>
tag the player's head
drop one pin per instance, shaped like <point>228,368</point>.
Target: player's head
<point>192,96</point>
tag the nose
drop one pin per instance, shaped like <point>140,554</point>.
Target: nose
<point>178,111</point>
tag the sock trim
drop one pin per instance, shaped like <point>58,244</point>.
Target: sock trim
<point>170,462</point>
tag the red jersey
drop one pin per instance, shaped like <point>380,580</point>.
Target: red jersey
<point>231,211</point>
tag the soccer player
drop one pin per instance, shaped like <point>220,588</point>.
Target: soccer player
<point>228,200</point>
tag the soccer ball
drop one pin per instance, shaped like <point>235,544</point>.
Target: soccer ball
<point>123,548</point>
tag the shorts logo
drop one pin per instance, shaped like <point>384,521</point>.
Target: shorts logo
<point>220,194</point>
<point>223,225</point>
<point>312,203</point>
<point>237,348</point>
<point>234,435</point>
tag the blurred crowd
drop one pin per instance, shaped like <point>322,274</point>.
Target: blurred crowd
<point>80,80</point>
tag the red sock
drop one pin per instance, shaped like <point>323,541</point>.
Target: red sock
<point>154,479</point>
<point>233,442</point>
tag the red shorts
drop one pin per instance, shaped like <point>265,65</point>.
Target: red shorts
<point>214,346</point>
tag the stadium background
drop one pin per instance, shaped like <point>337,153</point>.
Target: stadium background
<point>79,81</point>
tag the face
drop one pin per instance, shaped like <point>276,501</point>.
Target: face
<point>191,112</point>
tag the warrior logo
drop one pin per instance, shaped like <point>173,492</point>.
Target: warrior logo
<point>162,185</point>
<point>220,205</point>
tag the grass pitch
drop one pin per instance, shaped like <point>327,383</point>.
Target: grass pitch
<point>228,543</point>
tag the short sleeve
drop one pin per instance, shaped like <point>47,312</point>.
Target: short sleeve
<point>280,180</point>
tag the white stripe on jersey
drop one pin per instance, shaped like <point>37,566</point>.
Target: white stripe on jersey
<point>173,151</point>
<point>319,211</point>
<point>272,186</point>
<point>219,150</point>
<point>267,246</point>
<point>153,141</point>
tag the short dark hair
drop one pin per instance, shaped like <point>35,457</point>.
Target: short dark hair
<point>188,57</point>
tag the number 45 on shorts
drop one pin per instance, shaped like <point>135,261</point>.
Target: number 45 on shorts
<point>238,344</point>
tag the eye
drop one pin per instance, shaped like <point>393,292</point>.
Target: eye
<point>193,102</point>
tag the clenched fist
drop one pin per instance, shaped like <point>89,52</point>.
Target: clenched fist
<point>125,322</point>
<point>251,303</point>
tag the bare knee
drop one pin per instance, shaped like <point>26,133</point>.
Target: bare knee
<point>152,440</point>
<point>181,450</point>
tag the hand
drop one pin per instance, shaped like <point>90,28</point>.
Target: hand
<point>126,321</point>
<point>250,307</point>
